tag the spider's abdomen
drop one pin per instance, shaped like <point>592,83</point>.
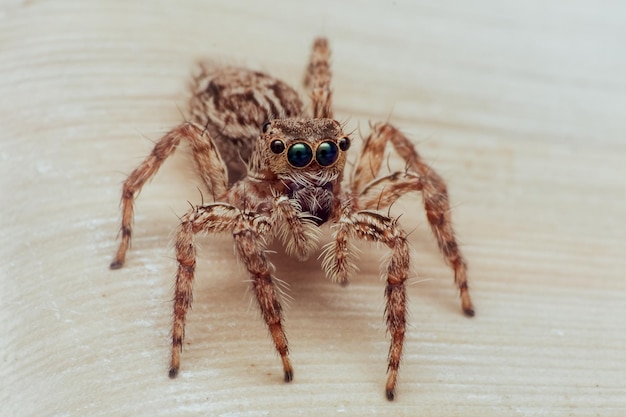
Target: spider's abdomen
<point>233,104</point>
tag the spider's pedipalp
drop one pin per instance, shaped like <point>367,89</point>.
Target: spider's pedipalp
<point>297,229</point>
<point>338,255</point>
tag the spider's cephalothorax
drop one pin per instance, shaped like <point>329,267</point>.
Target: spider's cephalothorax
<point>306,158</point>
<point>286,171</point>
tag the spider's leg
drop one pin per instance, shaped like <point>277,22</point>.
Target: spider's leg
<point>375,227</point>
<point>249,237</point>
<point>419,176</point>
<point>208,162</point>
<point>384,191</point>
<point>317,79</point>
<point>369,162</point>
<point>212,218</point>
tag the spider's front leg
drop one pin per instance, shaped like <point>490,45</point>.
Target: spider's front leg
<point>249,236</point>
<point>375,227</point>
<point>382,192</point>
<point>212,218</point>
<point>250,232</point>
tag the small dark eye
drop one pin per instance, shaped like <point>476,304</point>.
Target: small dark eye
<point>277,146</point>
<point>326,154</point>
<point>344,144</point>
<point>266,127</point>
<point>299,155</point>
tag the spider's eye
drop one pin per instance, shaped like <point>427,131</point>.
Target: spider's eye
<point>266,127</point>
<point>327,153</point>
<point>344,144</point>
<point>299,155</point>
<point>277,146</point>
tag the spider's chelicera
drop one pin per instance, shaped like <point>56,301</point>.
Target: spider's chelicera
<point>276,172</point>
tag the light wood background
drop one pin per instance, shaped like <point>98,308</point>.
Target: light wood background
<point>519,104</point>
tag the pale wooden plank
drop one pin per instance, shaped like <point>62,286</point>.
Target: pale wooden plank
<point>519,104</point>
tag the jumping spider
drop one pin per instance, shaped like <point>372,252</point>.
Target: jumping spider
<point>286,170</point>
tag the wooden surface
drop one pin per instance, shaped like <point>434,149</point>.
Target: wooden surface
<point>519,104</point>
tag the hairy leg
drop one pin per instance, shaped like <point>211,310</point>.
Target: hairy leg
<point>317,79</point>
<point>208,162</point>
<point>212,218</point>
<point>374,227</point>
<point>419,176</point>
<point>249,237</point>
<point>369,162</point>
<point>384,191</point>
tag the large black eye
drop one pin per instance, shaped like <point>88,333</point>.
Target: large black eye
<point>299,155</point>
<point>277,146</point>
<point>344,143</point>
<point>326,153</point>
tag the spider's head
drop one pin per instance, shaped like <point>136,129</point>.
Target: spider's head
<point>311,148</point>
<point>308,157</point>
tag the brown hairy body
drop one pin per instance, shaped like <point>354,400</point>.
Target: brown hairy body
<point>276,172</point>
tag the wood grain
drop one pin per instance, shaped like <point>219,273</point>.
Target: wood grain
<point>520,105</point>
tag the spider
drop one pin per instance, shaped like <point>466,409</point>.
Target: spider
<point>276,172</point>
